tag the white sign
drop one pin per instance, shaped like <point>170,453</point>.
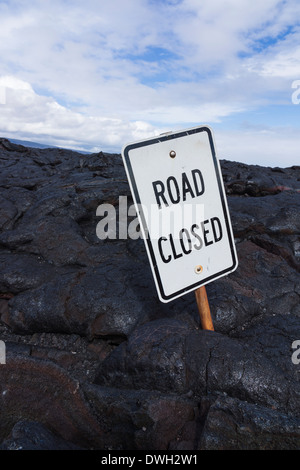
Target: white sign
<point>177,187</point>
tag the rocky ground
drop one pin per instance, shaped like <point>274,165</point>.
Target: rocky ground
<point>95,361</point>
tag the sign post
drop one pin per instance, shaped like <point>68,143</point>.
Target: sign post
<point>203,308</point>
<point>178,191</point>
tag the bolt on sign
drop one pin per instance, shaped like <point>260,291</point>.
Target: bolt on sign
<point>177,187</point>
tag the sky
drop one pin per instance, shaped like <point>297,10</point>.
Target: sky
<point>96,74</point>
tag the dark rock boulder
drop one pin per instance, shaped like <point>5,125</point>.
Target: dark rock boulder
<point>95,360</point>
<point>232,424</point>
<point>38,390</point>
<point>171,355</point>
<point>31,435</point>
<point>141,419</point>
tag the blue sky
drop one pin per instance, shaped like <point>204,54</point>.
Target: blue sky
<point>96,75</point>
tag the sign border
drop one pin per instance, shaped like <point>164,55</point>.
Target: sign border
<point>136,197</point>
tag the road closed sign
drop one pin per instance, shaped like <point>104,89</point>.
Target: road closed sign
<point>178,191</point>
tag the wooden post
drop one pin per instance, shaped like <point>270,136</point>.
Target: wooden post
<point>204,310</point>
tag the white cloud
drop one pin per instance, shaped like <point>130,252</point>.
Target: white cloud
<point>25,113</point>
<point>30,116</point>
<point>87,73</point>
<point>282,60</point>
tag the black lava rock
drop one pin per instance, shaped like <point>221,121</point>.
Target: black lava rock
<point>95,360</point>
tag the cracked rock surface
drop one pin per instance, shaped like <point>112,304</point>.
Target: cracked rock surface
<point>95,361</point>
